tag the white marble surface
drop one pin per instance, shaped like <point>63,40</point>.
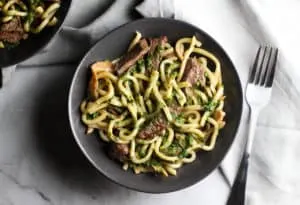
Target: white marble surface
<point>40,163</point>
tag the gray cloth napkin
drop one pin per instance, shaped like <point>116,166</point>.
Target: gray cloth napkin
<point>71,43</point>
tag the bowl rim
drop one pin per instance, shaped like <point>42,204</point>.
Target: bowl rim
<point>45,44</point>
<point>236,129</point>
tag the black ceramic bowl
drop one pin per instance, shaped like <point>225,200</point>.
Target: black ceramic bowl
<point>114,45</point>
<point>35,42</point>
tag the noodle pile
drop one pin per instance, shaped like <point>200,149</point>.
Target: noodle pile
<point>188,116</point>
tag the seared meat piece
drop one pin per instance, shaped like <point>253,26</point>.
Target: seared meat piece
<point>119,151</point>
<point>130,58</point>
<point>12,31</point>
<point>155,42</point>
<point>194,72</point>
<point>154,54</point>
<point>13,25</point>
<point>154,128</point>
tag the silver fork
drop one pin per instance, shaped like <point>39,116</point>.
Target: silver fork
<point>258,95</point>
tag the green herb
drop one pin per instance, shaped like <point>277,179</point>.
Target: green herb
<point>152,162</point>
<point>179,119</point>
<point>174,149</point>
<point>92,116</point>
<point>174,115</point>
<point>159,48</point>
<point>30,17</point>
<point>190,140</point>
<point>34,3</point>
<point>206,74</point>
<point>141,62</point>
<point>142,153</point>
<point>174,74</point>
<point>138,69</point>
<point>164,139</point>
<point>173,94</point>
<point>183,154</point>
<point>157,51</point>
<point>149,61</point>
<point>210,106</point>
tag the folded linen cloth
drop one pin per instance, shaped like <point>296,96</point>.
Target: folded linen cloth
<point>240,26</point>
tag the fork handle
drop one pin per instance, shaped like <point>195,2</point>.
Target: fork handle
<point>238,191</point>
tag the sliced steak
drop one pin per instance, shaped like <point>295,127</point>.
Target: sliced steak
<point>154,53</point>
<point>154,128</point>
<point>194,72</point>
<point>119,152</point>
<point>155,42</point>
<point>12,31</point>
<point>130,58</point>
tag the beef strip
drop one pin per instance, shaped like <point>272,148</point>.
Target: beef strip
<point>130,58</point>
<point>12,31</point>
<point>154,53</point>
<point>155,127</point>
<point>119,152</point>
<point>194,72</point>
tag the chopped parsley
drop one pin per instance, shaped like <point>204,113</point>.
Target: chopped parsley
<point>92,116</point>
<point>158,49</point>
<point>152,162</point>
<point>174,149</point>
<point>164,139</point>
<point>210,106</point>
<point>140,62</point>
<point>179,118</point>
<point>190,140</point>
<point>174,74</point>
<point>149,61</point>
<point>183,154</point>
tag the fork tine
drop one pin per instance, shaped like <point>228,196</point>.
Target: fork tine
<point>266,65</point>
<point>255,65</point>
<point>261,66</point>
<point>272,67</point>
